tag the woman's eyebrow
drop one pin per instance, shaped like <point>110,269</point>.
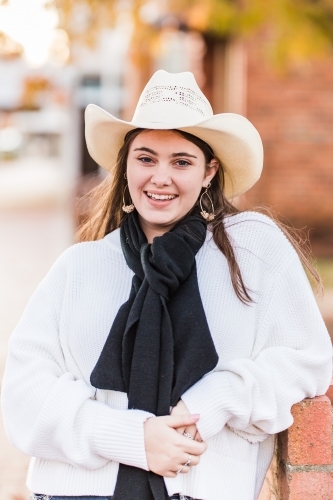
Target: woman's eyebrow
<point>174,155</point>
<point>147,150</point>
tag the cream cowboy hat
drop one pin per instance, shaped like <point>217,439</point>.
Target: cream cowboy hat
<point>174,101</point>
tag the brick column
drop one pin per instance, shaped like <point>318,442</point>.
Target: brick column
<point>305,451</point>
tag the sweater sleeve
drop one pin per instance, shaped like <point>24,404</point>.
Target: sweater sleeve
<point>47,412</point>
<point>291,360</point>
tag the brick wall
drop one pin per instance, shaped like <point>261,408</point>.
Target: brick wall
<point>305,470</point>
<point>294,115</point>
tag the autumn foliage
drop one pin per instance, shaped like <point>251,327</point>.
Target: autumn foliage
<point>293,30</point>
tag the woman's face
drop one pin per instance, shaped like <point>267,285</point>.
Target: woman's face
<point>165,175</point>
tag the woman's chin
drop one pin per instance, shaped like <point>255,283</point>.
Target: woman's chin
<point>159,221</point>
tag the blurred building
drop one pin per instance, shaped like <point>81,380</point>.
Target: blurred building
<point>294,115</point>
<point>292,111</point>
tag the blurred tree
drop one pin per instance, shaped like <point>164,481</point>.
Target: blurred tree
<point>35,88</point>
<point>9,49</point>
<point>83,20</point>
<point>292,30</point>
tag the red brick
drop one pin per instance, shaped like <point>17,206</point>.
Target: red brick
<point>283,480</point>
<point>310,486</point>
<point>294,115</point>
<point>309,440</point>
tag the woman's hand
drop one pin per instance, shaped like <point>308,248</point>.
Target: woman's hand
<point>181,409</point>
<point>166,449</point>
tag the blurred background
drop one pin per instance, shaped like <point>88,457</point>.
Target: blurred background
<point>269,61</point>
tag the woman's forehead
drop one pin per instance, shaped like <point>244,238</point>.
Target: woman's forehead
<point>164,141</point>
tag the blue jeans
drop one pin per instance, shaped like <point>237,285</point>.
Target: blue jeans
<point>37,496</point>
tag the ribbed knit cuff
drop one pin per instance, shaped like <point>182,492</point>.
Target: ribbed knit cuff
<point>210,397</point>
<point>119,435</point>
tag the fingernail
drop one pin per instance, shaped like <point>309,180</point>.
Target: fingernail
<point>196,415</point>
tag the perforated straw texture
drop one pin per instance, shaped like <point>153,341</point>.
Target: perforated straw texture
<point>180,95</point>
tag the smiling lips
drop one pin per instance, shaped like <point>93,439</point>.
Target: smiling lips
<point>161,197</point>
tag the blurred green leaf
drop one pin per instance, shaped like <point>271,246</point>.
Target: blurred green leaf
<point>289,30</point>
<point>325,268</point>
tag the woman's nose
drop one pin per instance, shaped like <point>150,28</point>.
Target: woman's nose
<point>161,176</point>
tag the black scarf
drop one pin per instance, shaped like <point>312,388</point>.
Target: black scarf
<point>159,344</point>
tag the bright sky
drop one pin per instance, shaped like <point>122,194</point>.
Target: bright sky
<point>32,25</point>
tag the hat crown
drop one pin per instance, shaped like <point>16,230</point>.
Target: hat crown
<point>172,99</point>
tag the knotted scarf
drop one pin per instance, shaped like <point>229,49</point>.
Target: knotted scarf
<point>159,344</point>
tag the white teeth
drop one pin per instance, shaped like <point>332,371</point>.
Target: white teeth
<point>161,196</point>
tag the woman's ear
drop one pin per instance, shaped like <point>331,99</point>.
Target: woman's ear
<point>211,170</point>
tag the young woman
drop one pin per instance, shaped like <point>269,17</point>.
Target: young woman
<point>160,356</point>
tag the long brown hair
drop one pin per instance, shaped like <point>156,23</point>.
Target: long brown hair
<point>105,213</point>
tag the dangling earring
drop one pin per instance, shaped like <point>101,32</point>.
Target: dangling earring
<point>127,208</point>
<point>206,215</point>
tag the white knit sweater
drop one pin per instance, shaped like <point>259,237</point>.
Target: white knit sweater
<point>272,354</point>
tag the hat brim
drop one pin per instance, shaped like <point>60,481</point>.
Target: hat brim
<point>233,138</point>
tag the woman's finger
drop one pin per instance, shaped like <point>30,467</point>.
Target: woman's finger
<point>185,469</point>
<point>189,461</point>
<point>193,460</point>
<point>181,420</point>
<point>193,447</point>
<point>190,431</point>
<point>197,437</point>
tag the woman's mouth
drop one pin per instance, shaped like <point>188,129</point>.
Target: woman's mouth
<point>160,197</point>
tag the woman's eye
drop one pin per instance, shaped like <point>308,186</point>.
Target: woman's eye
<point>145,159</point>
<point>183,163</point>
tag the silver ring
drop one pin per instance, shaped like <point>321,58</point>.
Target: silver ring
<point>182,467</point>
<point>188,461</point>
<point>187,435</point>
